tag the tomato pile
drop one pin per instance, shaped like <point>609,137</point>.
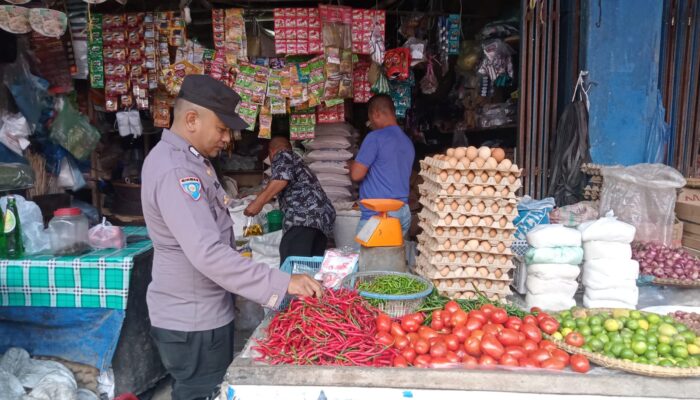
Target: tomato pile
<point>483,338</point>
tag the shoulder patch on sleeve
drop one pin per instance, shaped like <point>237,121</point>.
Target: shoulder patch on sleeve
<point>192,186</point>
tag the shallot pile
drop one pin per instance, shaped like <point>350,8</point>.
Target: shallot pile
<point>664,262</point>
<point>691,320</point>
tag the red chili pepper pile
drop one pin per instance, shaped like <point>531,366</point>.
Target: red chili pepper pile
<point>338,329</point>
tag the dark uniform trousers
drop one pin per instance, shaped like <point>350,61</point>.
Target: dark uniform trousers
<point>197,361</point>
<point>301,241</point>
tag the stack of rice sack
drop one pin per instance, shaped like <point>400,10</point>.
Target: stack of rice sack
<point>327,156</point>
<point>469,204</point>
<point>552,267</point>
<point>609,272</point>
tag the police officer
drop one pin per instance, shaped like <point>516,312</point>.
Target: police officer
<point>195,264</point>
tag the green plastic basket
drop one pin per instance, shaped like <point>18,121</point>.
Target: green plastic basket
<point>395,306</point>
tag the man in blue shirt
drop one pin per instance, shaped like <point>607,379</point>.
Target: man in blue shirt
<point>385,160</point>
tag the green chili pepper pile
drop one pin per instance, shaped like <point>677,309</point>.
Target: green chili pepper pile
<point>390,285</point>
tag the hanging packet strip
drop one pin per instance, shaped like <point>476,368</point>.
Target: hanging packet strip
<point>95,57</point>
<point>363,22</point>
<point>251,83</point>
<point>316,80</point>
<point>297,31</point>
<point>302,124</point>
<point>265,117</point>
<point>248,113</point>
<point>401,94</point>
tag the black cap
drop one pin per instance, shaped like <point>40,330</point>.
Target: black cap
<point>205,91</point>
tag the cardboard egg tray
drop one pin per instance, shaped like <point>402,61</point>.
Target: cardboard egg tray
<point>468,208</point>
<point>429,188</point>
<point>472,294</point>
<point>472,257</point>
<point>462,272</point>
<point>491,234</point>
<point>487,202</point>
<point>484,246</point>
<point>469,283</point>
<point>465,164</point>
<point>463,184</point>
<point>470,178</point>
<point>486,221</point>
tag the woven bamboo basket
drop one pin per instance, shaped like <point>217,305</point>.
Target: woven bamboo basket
<point>676,282</point>
<point>626,365</point>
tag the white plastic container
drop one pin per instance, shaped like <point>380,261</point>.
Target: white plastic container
<point>68,231</point>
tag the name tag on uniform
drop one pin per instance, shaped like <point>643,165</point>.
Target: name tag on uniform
<point>192,186</point>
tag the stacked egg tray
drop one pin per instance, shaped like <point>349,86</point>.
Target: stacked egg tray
<point>469,205</point>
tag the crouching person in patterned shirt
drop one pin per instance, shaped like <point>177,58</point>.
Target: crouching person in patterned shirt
<point>308,213</point>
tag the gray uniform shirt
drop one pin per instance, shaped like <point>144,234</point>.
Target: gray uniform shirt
<point>195,265</point>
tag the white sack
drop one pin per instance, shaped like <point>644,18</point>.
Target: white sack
<point>554,255</point>
<point>334,180</point>
<point>331,167</point>
<point>554,271</point>
<point>553,235</point>
<point>334,129</point>
<point>558,287</point>
<point>597,250</point>
<point>612,270</point>
<point>607,229</point>
<point>337,193</point>
<point>549,302</point>
<point>587,302</point>
<point>328,142</point>
<point>627,294</point>
<point>328,155</point>
<point>266,248</point>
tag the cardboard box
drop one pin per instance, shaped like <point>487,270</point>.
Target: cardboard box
<point>691,228</point>
<point>688,205</point>
<point>691,241</point>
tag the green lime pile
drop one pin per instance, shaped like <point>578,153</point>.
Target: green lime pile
<point>643,338</point>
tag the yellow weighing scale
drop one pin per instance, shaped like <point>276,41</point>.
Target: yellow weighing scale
<point>381,238</point>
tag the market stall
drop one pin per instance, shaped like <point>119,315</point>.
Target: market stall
<point>87,309</point>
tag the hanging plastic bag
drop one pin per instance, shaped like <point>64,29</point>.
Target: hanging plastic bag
<point>70,176</point>
<point>376,44</point>
<point>253,227</point>
<point>30,92</point>
<point>643,195</point>
<point>658,134</point>
<point>381,86</point>
<point>14,176</point>
<point>14,132</point>
<point>106,236</point>
<point>73,131</point>
<point>429,83</point>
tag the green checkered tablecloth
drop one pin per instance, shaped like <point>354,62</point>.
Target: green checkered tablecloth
<point>99,279</point>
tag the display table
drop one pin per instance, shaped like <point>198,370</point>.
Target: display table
<point>247,379</point>
<point>75,308</point>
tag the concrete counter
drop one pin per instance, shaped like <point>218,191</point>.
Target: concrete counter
<point>244,372</point>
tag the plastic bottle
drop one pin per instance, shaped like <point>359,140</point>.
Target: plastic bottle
<point>13,231</point>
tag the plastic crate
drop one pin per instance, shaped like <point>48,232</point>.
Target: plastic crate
<point>396,306</point>
<point>299,265</point>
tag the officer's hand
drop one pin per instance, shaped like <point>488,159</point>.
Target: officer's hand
<point>304,285</point>
<point>252,210</point>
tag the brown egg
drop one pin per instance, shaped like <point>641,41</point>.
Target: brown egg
<point>474,220</point>
<point>472,244</point>
<point>503,222</point>
<point>453,231</point>
<point>481,207</point>
<point>476,190</point>
<point>450,152</point>
<point>498,273</point>
<point>495,208</point>
<point>506,235</point>
<point>493,233</point>
<point>465,231</point>
<point>498,154</point>
<point>503,260</point>
<point>498,177</point>
<point>486,246</point>
<point>488,221</point>
<point>468,206</point>
<point>462,219</point>
<point>484,177</point>
<point>440,205</point>
<point>509,209</point>
<point>488,284</point>
<point>464,191</point>
<point>505,192</point>
<point>457,176</point>
<point>484,152</point>
<point>470,271</point>
<point>464,161</point>
<point>472,152</point>
<point>505,165</point>
<point>479,162</point>
<point>511,179</point>
<point>462,283</point>
<point>445,271</point>
<point>477,257</point>
<point>483,271</point>
<point>439,231</point>
<point>491,163</point>
<point>479,232</point>
<point>460,152</point>
<point>452,257</point>
<point>446,244</point>
<point>452,161</point>
<point>461,244</point>
<point>501,247</point>
<point>490,259</point>
<point>448,219</point>
<point>489,191</point>
<point>454,206</point>
<point>464,257</point>
<point>470,176</point>
<point>443,176</point>
<point>451,189</point>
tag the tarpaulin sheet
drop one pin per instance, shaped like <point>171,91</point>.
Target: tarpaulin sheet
<point>83,335</point>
